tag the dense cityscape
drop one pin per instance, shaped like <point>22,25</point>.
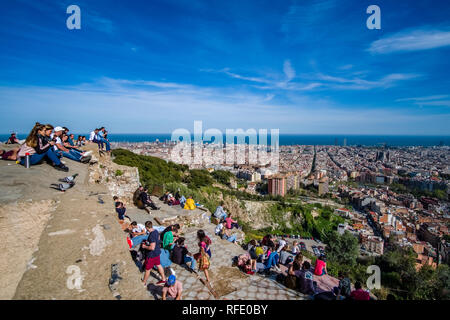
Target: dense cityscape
<point>387,194</point>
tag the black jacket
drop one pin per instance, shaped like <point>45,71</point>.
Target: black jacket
<point>43,145</point>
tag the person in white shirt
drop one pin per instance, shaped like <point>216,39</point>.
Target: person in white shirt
<point>295,248</point>
<point>138,233</point>
<point>65,152</point>
<point>137,229</point>
<point>281,244</point>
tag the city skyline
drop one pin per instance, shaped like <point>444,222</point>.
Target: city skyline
<point>305,67</point>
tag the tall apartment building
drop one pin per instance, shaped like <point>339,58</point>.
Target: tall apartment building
<point>277,185</point>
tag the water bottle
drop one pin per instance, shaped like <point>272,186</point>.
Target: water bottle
<point>27,160</point>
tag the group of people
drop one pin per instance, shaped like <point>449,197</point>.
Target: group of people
<point>157,247</point>
<point>100,136</point>
<point>226,224</point>
<point>46,142</point>
<point>269,254</point>
<point>178,200</point>
<point>142,200</point>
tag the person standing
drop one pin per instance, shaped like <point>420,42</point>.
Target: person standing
<point>153,251</point>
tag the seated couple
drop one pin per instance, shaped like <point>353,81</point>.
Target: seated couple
<point>224,232</point>
<point>142,199</point>
<point>99,136</point>
<point>169,199</point>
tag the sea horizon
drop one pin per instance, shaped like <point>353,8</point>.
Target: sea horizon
<point>294,139</point>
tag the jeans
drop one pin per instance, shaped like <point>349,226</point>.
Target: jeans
<point>72,155</point>
<point>106,142</point>
<point>36,158</point>
<point>99,142</point>
<point>222,216</point>
<point>138,239</point>
<point>272,260</point>
<point>191,260</point>
<point>230,238</point>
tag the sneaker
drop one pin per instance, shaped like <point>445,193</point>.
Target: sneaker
<point>161,282</point>
<point>61,167</point>
<point>85,159</point>
<point>85,154</point>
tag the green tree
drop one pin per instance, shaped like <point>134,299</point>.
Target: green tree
<point>342,249</point>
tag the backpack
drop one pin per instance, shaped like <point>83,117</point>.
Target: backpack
<point>177,255</point>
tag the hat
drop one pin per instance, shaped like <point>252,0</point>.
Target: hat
<point>171,280</point>
<point>58,128</point>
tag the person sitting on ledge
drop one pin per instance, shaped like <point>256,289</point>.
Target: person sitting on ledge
<point>182,201</point>
<point>190,204</point>
<point>146,201</point>
<point>37,146</point>
<point>321,266</point>
<point>359,293</point>
<point>272,259</point>
<point>63,151</point>
<point>12,139</point>
<point>220,212</point>
<point>123,219</point>
<point>306,284</point>
<point>231,223</point>
<point>93,138</point>
<point>181,254</point>
<point>103,140</point>
<point>224,233</point>
<point>138,233</point>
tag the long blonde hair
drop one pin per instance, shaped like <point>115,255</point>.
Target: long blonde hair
<point>32,139</point>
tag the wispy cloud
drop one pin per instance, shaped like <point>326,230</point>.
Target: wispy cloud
<point>411,40</point>
<point>162,109</point>
<point>427,98</point>
<point>344,83</point>
<point>435,100</point>
<point>283,82</point>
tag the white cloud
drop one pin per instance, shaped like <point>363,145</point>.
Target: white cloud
<point>288,70</point>
<point>427,98</point>
<point>362,84</point>
<point>436,100</point>
<point>411,40</point>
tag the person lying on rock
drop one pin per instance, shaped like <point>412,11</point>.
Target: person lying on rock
<point>9,155</point>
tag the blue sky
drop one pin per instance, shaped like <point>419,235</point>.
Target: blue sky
<point>298,66</point>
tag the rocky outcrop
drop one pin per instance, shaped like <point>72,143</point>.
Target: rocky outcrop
<point>120,180</point>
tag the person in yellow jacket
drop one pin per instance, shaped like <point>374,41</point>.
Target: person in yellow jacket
<point>190,205</point>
